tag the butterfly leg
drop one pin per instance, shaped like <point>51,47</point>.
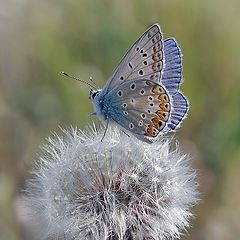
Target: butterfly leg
<point>92,114</point>
<point>125,133</point>
<point>105,131</point>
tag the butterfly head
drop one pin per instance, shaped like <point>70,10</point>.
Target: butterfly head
<point>93,94</point>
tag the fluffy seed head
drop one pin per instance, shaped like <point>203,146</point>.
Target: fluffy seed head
<point>120,189</point>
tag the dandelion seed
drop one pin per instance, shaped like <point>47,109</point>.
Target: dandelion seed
<point>119,189</point>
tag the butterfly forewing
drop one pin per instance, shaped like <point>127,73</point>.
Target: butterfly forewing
<point>144,60</point>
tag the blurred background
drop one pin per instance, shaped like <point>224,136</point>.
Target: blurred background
<point>40,38</point>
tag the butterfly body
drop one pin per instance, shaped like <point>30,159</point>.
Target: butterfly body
<point>106,107</point>
<point>142,96</point>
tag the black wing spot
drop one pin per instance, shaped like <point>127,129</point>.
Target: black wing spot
<point>121,78</point>
<point>150,98</point>
<point>133,86</point>
<point>119,93</point>
<point>141,72</point>
<point>130,65</point>
<point>124,105</point>
<point>131,126</point>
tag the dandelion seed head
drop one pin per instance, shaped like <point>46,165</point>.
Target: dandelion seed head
<point>119,189</point>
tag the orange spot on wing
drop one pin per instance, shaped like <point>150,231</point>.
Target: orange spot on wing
<point>165,106</point>
<point>155,90</point>
<point>148,83</point>
<point>150,130</point>
<point>156,122</point>
<point>162,115</point>
<point>163,97</point>
<point>158,90</point>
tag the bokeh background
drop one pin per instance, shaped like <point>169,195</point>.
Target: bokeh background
<point>40,38</point>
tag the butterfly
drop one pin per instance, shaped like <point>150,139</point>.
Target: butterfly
<point>142,95</point>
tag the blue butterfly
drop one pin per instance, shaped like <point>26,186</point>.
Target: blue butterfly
<point>142,95</point>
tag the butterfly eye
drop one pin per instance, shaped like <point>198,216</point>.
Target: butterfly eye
<point>94,95</point>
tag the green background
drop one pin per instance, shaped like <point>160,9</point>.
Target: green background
<point>40,38</point>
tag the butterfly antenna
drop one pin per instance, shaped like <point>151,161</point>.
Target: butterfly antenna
<point>91,79</point>
<point>78,79</point>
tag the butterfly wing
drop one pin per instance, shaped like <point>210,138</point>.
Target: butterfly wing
<point>144,60</point>
<point>172,79</point>
<point>141,106</point>
<point>172,74</point>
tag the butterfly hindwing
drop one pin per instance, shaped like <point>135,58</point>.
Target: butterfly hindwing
<point>144,60</point>
<point>140,106</point>
<point>179,111</point>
